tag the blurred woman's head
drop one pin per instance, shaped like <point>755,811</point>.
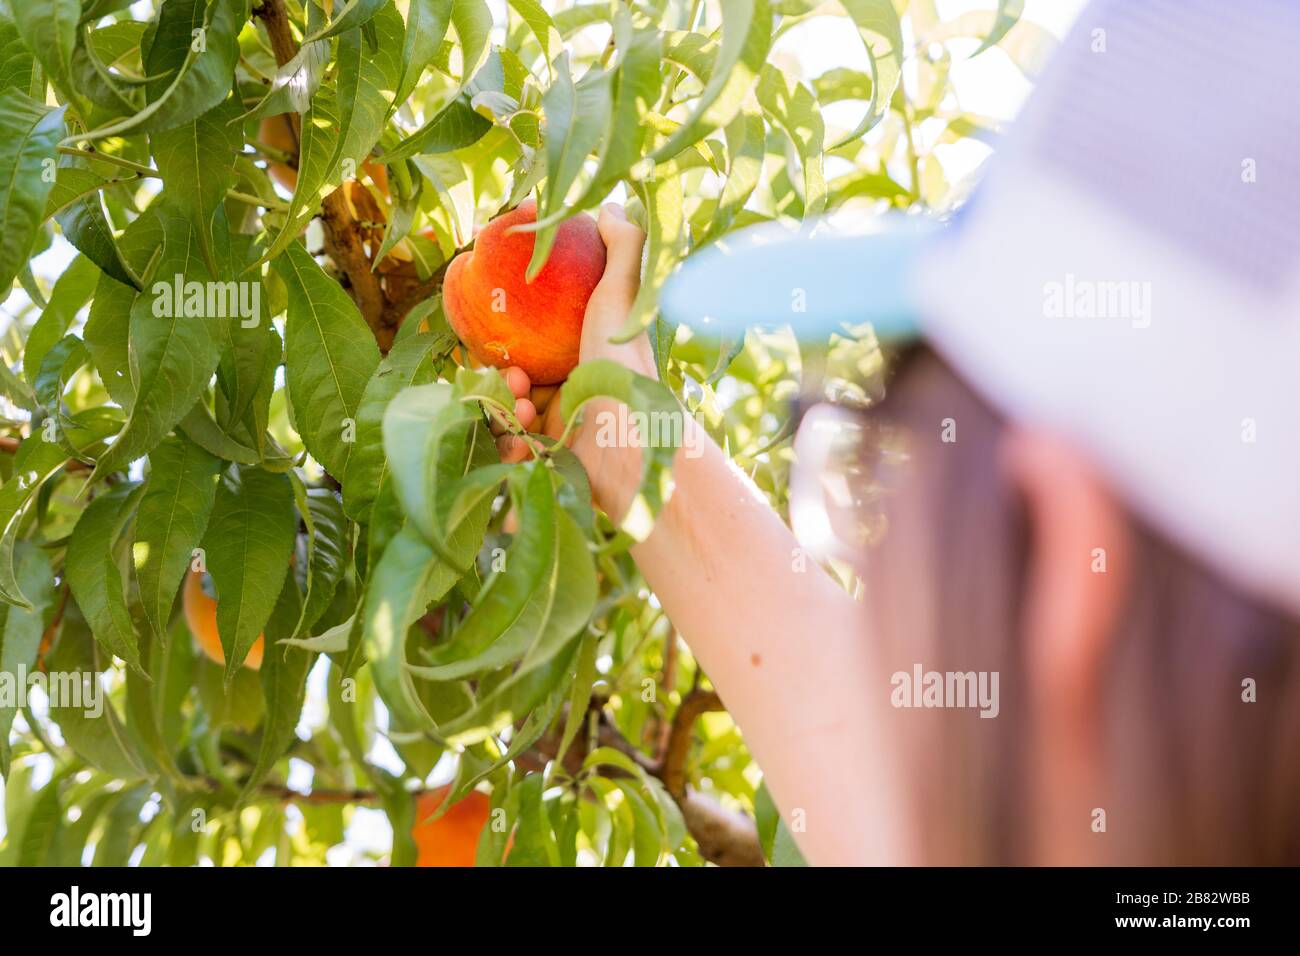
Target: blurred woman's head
<point>1146,711</point>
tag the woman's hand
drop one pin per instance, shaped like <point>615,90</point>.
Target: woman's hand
<point>538,409</point>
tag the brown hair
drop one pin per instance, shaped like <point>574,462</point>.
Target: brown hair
<point>1193,774</point>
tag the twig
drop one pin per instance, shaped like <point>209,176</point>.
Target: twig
<point>9,446</point>
<point>673,770</point>
<point>257,201</point>
<point>112,160</point>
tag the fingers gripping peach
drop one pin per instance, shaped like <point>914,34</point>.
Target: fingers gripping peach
<point>505,320</point>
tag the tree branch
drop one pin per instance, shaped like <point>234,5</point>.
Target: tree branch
<point>343,241</point>
<point>725,837</point>
<point>673,768</point>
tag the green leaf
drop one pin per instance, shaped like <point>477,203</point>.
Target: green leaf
<point>523,738</point>
<point>92,10</point>
<point>647,841</point>
<point>20,631</point>
<point>114,92</point>
<point>29,137</point>
<point>331,355</point>
<point>396,597</point>
<point>173,515</point>
<point>123,827</point>
<point>108,326</point>
<point>318,174</point>
<point>353,14</point>
<point>426,25</point>
<point>50,31</point>
<point>508,612</point>
<point>94,571</point>
<point>199,426</point>
<point>534,842</point>
<point>644,397</point>
<point>34,462</point>
<point>576,116</point>
<point>66,357</point>
<point>187,81</point>
<point>636,85</point>
<point>296,82</point>
<point>746,145</point>
<point>1009,12</point>
<point>246,376</point>
<point>408,577</point>
<point>16,390</point>
<point>413,427</point>
<point>472,21</point>
<point>75,203</point>
<point>284,685</point>
<point>143,719</point>
<point>197,164</point>
<point>456,126</point>
<point>410,362</point>
<point>171,356</point>
<point>610,757</point>
<point>540,24</point>
<point>172,666</point>
<point>794,110</point>
<point>882,36</point>
<point>746,39</point>
<point>329,538</point>
<point>87,719</point>
<point>693,52</point>
<point>785,852</point>
<point>41,835</point>
<point>333,640</point>
<point>72,291</point>
<point>367,79</point>
<point>238,703</point>
<point>545,593</point>
<point>514,697</point>
<point>17,65</point>
<point>584,681</point>
<point>665,245</point>
<point>248,545</point>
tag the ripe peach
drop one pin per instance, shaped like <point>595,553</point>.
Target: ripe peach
<point>504,320</point>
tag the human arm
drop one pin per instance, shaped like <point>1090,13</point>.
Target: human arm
<point>782,643</point>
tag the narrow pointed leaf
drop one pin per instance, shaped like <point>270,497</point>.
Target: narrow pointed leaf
<point>410,362</point>
<point>248,544</point>
<point>95,575</point>
<point>172,355</point>
<point>173,515</point>
<point>20,631</point>
<point>29,136</point>
<point>331,355</point>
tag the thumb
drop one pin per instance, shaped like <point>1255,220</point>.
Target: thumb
<point>623,243</point>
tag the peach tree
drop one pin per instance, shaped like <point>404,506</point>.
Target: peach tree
<point>224,226</point>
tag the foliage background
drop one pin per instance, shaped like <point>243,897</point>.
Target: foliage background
<point>389,671</point>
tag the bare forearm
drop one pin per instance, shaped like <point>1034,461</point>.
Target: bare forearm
<point>778,638</point>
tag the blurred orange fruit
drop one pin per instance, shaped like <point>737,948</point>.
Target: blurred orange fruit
<point>451,839</point>
<point>201,618</point>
